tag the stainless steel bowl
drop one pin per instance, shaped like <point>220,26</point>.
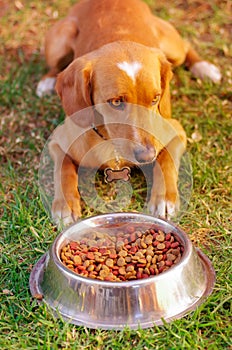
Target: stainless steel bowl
<point>113,305</point>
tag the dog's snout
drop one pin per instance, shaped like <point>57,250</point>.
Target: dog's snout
<point>144,154</point>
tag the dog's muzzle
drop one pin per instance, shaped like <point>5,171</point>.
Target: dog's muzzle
<point>145,154</point>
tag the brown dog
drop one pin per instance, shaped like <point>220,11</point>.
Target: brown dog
<point>115,55</point>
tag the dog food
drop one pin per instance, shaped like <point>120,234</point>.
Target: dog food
<point>130,253</point>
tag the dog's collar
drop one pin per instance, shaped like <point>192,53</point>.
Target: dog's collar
<point>117,173</point>
<point>117,157</point>
<point>98,132</point>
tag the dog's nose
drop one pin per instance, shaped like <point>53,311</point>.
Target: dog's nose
<point>144,154</point>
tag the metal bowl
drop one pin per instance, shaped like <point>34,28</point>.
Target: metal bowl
<point>114,305</point>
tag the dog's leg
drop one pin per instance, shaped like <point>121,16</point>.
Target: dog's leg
<point>164,199</point>
<point>179,51</point>
<point>200,68</point>
<point>66,204</point>
<point>59,52</point>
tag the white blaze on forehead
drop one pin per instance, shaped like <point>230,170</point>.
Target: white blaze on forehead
<point>131,69</point>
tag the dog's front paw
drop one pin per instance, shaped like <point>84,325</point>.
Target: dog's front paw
<point>66,211</point>
<point>164,206</point>
<point>46,87</point>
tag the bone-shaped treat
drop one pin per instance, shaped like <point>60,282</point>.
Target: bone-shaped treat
<point>118,174</point>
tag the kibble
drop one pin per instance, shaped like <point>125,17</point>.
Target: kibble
<point>121,261</point>
<point>133,253</point>
<point>161,246</point>
<point>109,262</point>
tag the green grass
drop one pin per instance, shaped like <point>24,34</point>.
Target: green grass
<point>26,231</point>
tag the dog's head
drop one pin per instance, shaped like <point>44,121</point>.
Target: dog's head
<point>124,81</point>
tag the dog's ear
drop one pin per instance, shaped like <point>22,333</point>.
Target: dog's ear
<point>74,87</point>
<point>165,101</point>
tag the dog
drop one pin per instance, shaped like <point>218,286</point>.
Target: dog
<point>112,60</point>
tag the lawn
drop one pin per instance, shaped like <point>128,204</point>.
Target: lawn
<point>26,231</point>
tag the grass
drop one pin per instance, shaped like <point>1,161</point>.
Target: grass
<point>26,233</point>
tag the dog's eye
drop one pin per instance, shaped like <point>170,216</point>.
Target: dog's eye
<point>155,100</point>
<point>117,103</point>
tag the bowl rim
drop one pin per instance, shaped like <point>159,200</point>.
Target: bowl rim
<point>188,248</point>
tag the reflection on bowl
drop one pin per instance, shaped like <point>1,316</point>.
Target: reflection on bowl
<point>135,303</point>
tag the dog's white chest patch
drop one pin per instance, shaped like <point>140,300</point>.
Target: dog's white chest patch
<point>131,69</point>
